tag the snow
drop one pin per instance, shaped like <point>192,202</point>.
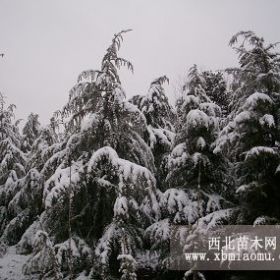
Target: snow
<point>162,136</point>
<point>126,257</point>
<point>190,275</point>
<point>54,160</point>
<point>255,99</point>
<point>105,152</point>
<point>11,265</point>
<point>260,150</point>
<point>240,118</point>
<point>82,276</point>
<point>191,212</point>
<point>213,203</point>
<point>177,157</point>
<point>267,120</point>
<point>134,179</point>
<point>190,99</point>
<point>200,143</point>
<point>197,119</point>
<point>179,150</point>
<point>247,187</point>
<point>233,131</point>
<point>217,218</point>
<point>119,93</point>
<point>199,158</point>
<point>103,248</point>
<point>59,182</point>
<point>26,242</point>
<point>126,169</point>
<point>41,258</point>
<point>158,232</point>
<point>11,155</point>
<point>131,108</point>
<point>121,207</point>
<point>88,121</point>
<point>174,200</point>
<point>211,109</point>
<point>230,133</point>
<point>87,76</point>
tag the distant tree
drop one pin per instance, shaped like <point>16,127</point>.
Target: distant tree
<point>11,157</point>
<point>30,131</point>
<point>23,201</point>
<point>42,149</point>
<point>216,90</point>
<point>155,105</point>
<point>160,117</point>
<point>192,161</point>
<point>12,168</point>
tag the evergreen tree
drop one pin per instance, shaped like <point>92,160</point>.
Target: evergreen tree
<point>160,117</point>
<point>197,178</point>
<point>12,168</point>
<point>135,206</point>
<point>251,139</point>
<point>216,89</point>
<point>97,103</point>
<point>105,161</point>
<point>155,105</point>
<point>43,151</point>
<point>11,157</point>
<point>30,131</point>
<point>192,161</point>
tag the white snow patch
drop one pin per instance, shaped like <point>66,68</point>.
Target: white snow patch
<point>11,265</point>
<point>197,118</point>
<point>88,121</point>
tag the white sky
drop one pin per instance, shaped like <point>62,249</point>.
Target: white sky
<point>47,43</point>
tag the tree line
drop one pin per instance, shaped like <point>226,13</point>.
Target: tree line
<point>99,188</point>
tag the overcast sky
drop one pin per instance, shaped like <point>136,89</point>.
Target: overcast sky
<point>47,43</point>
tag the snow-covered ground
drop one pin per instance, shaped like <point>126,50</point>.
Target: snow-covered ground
<point>11,265</point>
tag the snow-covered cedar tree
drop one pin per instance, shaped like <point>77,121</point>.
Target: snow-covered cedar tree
<point>104,167</point>
<point>160,118</point>
<point>193,93</point>
<point>258,71</point>
<point>197,178</point>
<point>24,200</point>
<point>11,156</point>
<point>136,205</point>
<point>98,114</point>
<point>192,163</point>
<point>155,105</point>
<point>43,148</point>
<point>12,162</point>
<point>251,138</point>
<point>30,132</point>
